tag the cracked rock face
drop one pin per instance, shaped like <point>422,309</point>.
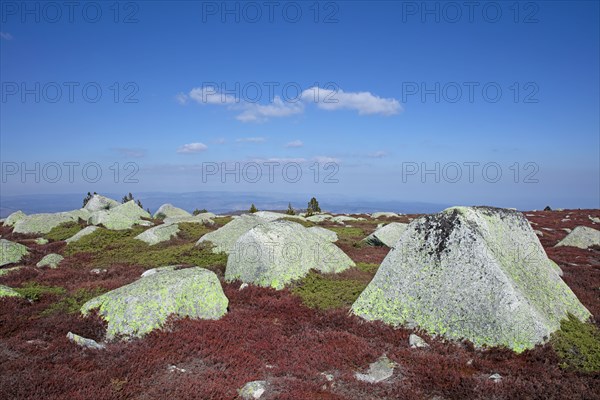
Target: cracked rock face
<point>475,273</point>
<point>138,308</point>
<point>275,253</point>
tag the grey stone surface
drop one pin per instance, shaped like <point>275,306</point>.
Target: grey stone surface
<point>416,341</point>
<point>325,233</point>
<point>84,232</point>
<point>50,260</point>
<point>276,253</point>
<point>13,218</point>
<point>138,308</point>
<point>84,342</point>
<point>6,291</point>
<point>158,234</point>
<point>253,390</point>
<point>123,216</point>
<point>388,235</point>
<point>380,370</point>
<point>169,210</point>
<point>98,202</point>
<point>11,252</point>
<point>582,237</point>
<point>475,273</point>
<point>384,215</point>
<point>43,223</point>
<point>224,238</point>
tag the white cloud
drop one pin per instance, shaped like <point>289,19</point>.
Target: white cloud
<point>191,148</point>
<point>181,98</point>
<point>255,112</point>
<point>251,140</point>
<point>363,102</point>
<point>377,154</point>
<point>6,36</point>
<point>326,159</point>
<point>295,143</point>
<point>210,95</point>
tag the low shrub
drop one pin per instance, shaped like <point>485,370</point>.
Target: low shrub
<point>72,303</point>
<point>324,292</point>
<point>577,344</point>
<point>63,231</point>
<point>34,291</point>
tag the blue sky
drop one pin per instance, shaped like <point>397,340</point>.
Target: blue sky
<point>377,68</point>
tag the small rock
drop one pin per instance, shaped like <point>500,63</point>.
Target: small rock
<point>539,233</point>
<point>174,368</point>
<point>84,342</point>
<point>50,260</point>
<point>97,271</point>
<point>328,377</point>
<point>253,390</point>
<point>416,341</point>
<point>379,371</point>
<point>41,241</point>
<point>496,377</point>
<point>595,220</point>
<point>567,230</point>
<point>243,286</point>
<point>470,362</point>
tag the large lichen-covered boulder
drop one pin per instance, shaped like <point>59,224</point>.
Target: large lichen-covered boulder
<point>169,210</point>
<point>276,253</point>
<point>224,238</point>
<point>98,203</point>
<point>158,234</point>
<point>124,216</point>
<point>45,222</point>
<point>13,218</point>
<point>582,237</point>
<point>84,232</point>
<point>11,252</point>
<point>388,235</point>
<point>6,291</point>
<point>50,260</point>
<point>324,233</point>
<point>144,305</point>
<point>475,273</point>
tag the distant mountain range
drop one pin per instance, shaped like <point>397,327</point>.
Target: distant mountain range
<point>217,202</point>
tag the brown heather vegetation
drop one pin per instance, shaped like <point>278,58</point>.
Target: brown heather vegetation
<point>267,335</point>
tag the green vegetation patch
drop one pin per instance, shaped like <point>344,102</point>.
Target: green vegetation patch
<point>220,221</point>
<point>72,303</point>
<point>324,292</point>
<point>119,247</point>
<point>366,267</point>
<point>63,231</point>
<point>306,224</point>
<point>348,233</point>
<point>577,344</point>
<point>192,231</point>
<point>33,290</point>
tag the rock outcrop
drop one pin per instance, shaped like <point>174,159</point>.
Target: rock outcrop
<point>388,235</point>
<point>582,237</point>
<point>169,210</point>
<point>123,216</point>
<point>158,234</point>
<point>11,252</point>
<point>224,238</point>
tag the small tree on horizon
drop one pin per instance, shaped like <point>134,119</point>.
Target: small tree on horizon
<point>290,210</point>
<point>129,197</point>
<point>88,198</point>
<point>196,211</point>
<point>253,209</point>
<point>313,207</point>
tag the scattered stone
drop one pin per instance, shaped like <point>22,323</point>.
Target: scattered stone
<point>327,376</point>
<point>342,219</point>
<point>582,237</point>
<point>158,234</point>
<point>84,342</point>
<point>567,230</point>
<point>243,286</point>
<point>153,271</point>
<point>45,222</point>
<point>98,203</point>
<point>495,377</point>
<point>253,390</point>
<point>84,232</point>
<point>224,238</point>
<point>384,214</point>
<point>319,218</point>
<point>324,233</point>
<point>594,220</point>
<point>50,260</point>
<point>174,368</point>
<point>168,210</point>
<point>476,273</point>
<point>13,218</point>
<point>276,253</point>
<point>387,235</point>
<point>143,222</point>
<point>138,308</point>
<point>203,218</point>
<point>6,271</point>
<point>98,271</point>
<point>11,252</point>
<point>539,233</point>
<point>380,370</point>
<point>6,291</point>
<point>123,216</point>
<point>41,241</point>
<point>416,341</point>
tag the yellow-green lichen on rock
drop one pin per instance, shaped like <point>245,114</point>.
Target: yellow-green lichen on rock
<point>476,273</point>
<point>11,252</point>
<point>144,305</point>
<point>6,291</point>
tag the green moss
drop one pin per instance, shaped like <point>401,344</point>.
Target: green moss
<point>323,292</point>
<point>72,303</point>
<point>192,231</point>
<point>220,221</point>
<point>577,344</point>
<point>348,233</point>
<point>63,231</point>
<point>306,224</point>
<point>33,290</point>
<point>119,247</point>
<point>366,267</point>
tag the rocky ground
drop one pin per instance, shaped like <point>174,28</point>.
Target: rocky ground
<point>299,342</point>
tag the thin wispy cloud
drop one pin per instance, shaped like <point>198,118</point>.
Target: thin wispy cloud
<point>326,159</point>
<point>251,140</point>
<point>192,148</point>
<point>219,141</point>
<point>6,36</point>
<point>365,103</point>
<point>295,143</point>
